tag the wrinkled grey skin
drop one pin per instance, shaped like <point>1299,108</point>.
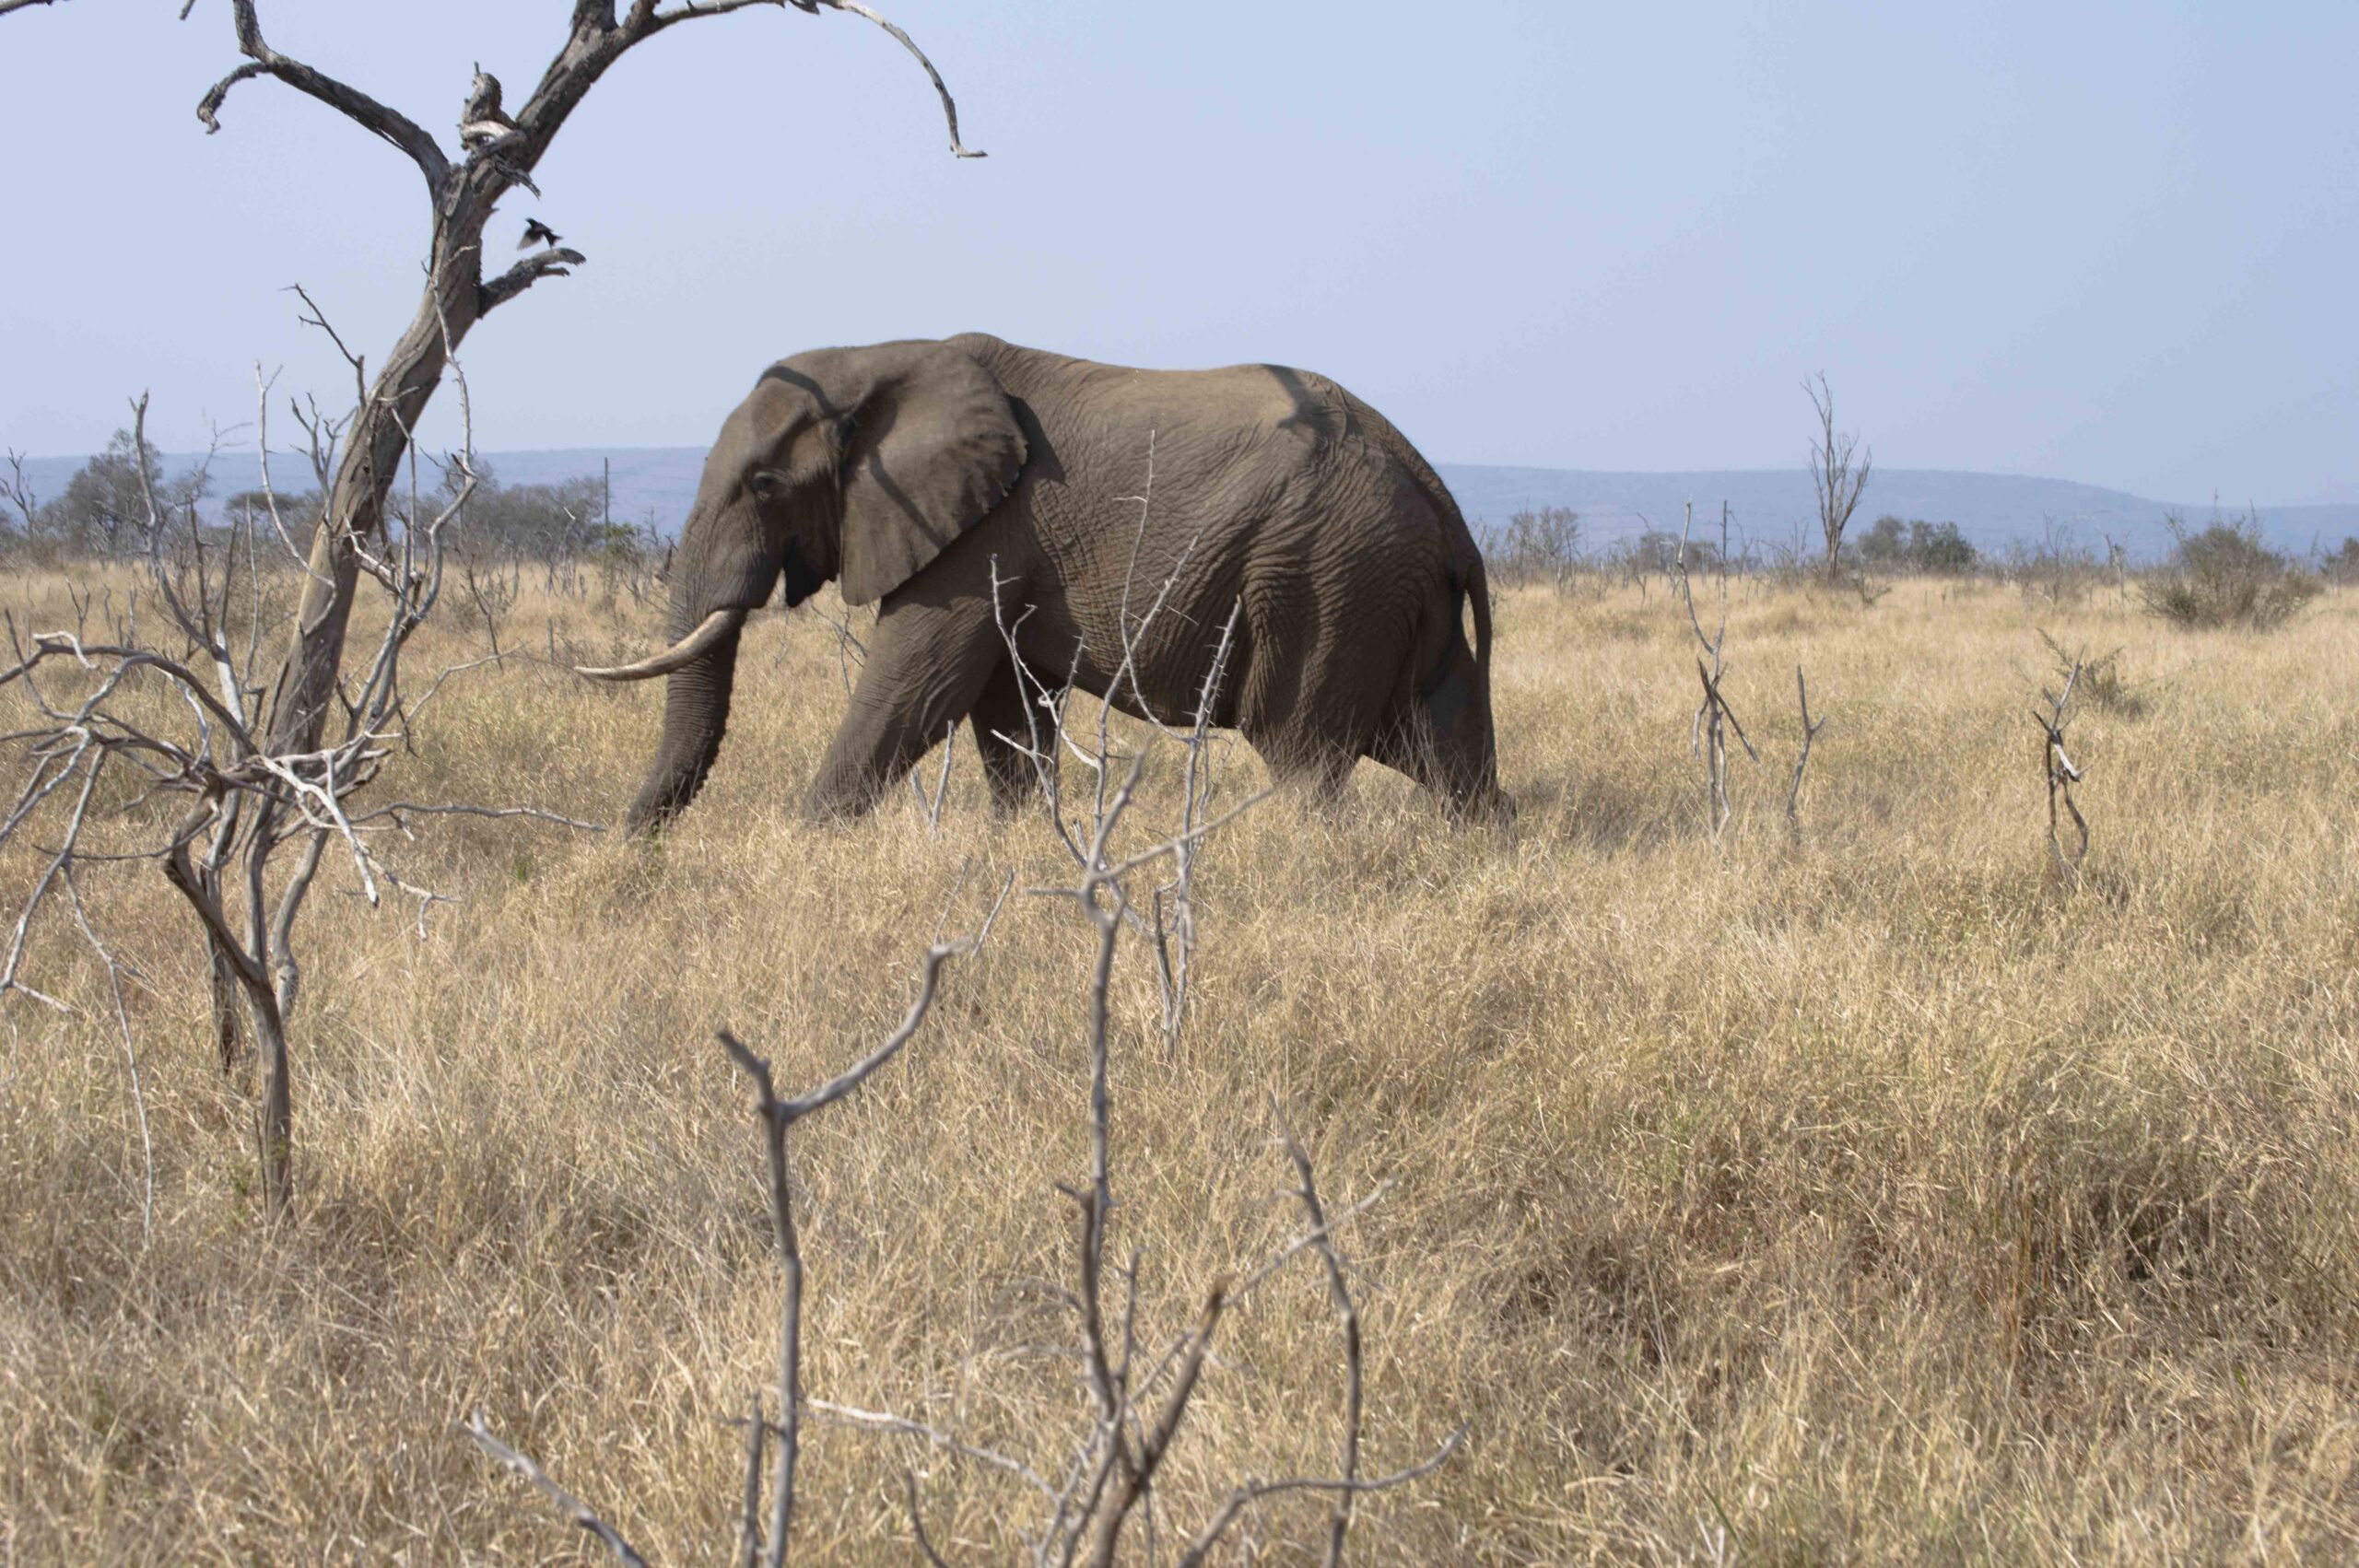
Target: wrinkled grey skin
<point>905,470</point>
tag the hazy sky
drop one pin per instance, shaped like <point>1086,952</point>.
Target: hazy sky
<point>2105,242</point>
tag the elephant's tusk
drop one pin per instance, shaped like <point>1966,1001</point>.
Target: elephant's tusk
<point>698,643</point>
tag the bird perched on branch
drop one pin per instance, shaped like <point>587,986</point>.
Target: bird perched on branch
<point>538,233</point>
<point>483,122</point>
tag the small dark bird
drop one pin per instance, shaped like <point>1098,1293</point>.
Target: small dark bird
<point>538,233</point>
<point>483,121</point>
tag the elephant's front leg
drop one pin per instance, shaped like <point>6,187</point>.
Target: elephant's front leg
<point>927,666</point>
<point>1017,741</point>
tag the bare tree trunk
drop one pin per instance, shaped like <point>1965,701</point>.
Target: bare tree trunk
<point>365,475</point>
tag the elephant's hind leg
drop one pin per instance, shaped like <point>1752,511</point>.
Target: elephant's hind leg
<point>1441,733</point>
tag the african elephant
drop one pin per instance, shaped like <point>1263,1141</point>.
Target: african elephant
<point>967,483</point>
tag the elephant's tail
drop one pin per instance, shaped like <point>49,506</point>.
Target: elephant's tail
<point>1477,589</point>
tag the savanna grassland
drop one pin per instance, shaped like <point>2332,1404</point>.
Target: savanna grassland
<point>1878,1197</point>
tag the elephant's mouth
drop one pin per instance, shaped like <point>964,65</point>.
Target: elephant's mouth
<point>802,580</point>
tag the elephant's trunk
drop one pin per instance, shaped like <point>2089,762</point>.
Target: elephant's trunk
<point>725,569</point>
<point>695,713</point>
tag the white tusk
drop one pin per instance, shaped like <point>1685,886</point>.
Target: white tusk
<point>694,646</point>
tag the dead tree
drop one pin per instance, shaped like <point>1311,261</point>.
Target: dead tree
<point>1838,471</point>
<point>462,192</point>
<point>18,493</point>
<point>1707,736</point>
<point>264,768</point>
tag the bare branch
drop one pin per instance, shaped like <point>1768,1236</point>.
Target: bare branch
<point>1708,734</point>
<point>1139,1474</point>
<point>949,109</point>
<point>355,105</point>
<point>1252,1492</point>
<point>115,968</point>
<point>1347,1314</point>
<point>572,1507</point>
<point>916,1522</point>
<point>15,489</point>
<point>556,262</point>
<point>777,1117</point>
<point>879,1420</point>
<point>645,20</point>
<point>749,1518</point>
<point>843,1083</point>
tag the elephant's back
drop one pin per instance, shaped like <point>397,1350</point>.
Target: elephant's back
<point>1227,401</point>
<point>1258,463</point>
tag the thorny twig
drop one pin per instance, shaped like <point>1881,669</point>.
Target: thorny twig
<point>2061,774</point>
<point>1801,761</point>
<point>1708,737</point>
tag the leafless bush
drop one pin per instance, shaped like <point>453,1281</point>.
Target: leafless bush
<point>1048,741</point>
<point>181,715</point>
<point>493,590</point>
<point>1541,546</point>
<point>2224,577</point>
<point>2059,570</point>
<point>17,492</point>
<point>1707,738</point>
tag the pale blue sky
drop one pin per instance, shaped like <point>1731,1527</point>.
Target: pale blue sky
<point>2107,242</point>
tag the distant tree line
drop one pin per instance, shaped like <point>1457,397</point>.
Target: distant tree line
<point>538,523</point>
<point>2221,575</point>
<point>103,511</point>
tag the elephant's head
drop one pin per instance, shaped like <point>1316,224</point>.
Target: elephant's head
<point>857,463</point>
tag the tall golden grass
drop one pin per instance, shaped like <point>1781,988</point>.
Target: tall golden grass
<point>1877,1198</point>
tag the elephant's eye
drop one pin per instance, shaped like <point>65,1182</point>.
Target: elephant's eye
<point>766,485</point>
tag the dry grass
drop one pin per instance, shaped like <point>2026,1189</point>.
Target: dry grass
<point>1876,1200</point>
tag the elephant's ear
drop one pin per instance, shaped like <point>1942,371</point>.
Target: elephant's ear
<point>934,447</point>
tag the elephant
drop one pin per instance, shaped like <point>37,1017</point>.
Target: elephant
<point>999,503</point>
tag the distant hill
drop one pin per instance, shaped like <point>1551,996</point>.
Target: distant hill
<point>1765,505</point>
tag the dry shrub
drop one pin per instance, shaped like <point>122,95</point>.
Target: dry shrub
<point>2342,568</point>
<point>2224,578</point>
<point>2059,571</point>
<point>1541,547</point>
<point>2101,683</point>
